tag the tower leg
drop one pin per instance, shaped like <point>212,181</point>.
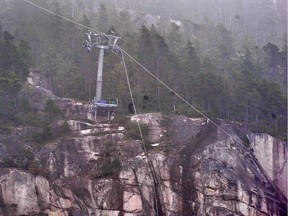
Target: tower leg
<point>99,75</point>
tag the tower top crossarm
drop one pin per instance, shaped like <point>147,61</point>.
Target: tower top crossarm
<point>101,41</point>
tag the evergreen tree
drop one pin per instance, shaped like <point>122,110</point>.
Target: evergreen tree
<point>275,63</point>
<point>175,39</point>
<point>191,67</point>
<point>14,69</point>
<point>102,19</point>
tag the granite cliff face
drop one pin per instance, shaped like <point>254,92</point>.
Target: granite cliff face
<point>191,168</point>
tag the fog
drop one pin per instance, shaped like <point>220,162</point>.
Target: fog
<point>223,56</point>
<point>264,20</point>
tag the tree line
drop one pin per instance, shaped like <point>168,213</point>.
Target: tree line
<point>221,78</point>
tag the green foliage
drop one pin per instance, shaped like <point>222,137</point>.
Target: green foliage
<point>188,111</point>
<point>26,116</point>
<point>110,166</point>
<point>25,106</point>
<point>51,107</point>
<point>28,154</point>
<point>165,121</point>
<point>24,159</point>
<point>132,130</point>
<point>43,137</point>
<point>102,18</point>
<point>52,110</point>
<point>245,140</point>
<point>34,167</point>
<point>15,60</point>
<point>9,83</point>
<point>48,134</point>
<point>121,119</point>
<point>217,69</point>
<point>64,130</point>
<point>30,119</point>
<point>8,162</point>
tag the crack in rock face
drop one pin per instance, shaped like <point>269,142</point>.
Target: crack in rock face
<point>197,170</point>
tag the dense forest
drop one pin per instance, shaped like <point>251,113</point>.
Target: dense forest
<point>228,60</point>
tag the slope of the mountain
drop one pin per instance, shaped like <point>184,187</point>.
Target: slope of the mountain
<point>192,167</point>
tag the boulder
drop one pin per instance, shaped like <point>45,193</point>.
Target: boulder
<point>197,168</point>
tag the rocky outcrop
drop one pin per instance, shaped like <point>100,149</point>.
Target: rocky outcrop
<point>272,155</point>
<point>35,93</point>
<point>195,169</point>
<point>25,194</point>
<point>37,79</point>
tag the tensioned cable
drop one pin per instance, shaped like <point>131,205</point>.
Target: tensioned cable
<point>137,62</point>
<point>179,96</point>
<point>129,86</point>
<point>132,99</point>
<point>140,130</point>
<point>60,16</point>
<point>151,74</point>
<point>189,104</point>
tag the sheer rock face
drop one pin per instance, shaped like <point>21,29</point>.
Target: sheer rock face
<point>25,194</point>
<point>272,155</point>
<point>197,169</point>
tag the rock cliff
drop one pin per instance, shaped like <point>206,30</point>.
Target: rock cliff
<point>185,167</point>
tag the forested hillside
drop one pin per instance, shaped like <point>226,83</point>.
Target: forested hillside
<point>229,61</point>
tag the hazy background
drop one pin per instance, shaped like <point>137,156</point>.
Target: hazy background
<point>226,57</point>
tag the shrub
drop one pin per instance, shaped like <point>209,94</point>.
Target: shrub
<point>64,129</point>
<point>116,163</point>
<point>121,119</point>
<point>132,130</point>
<point>8,162</point>
<point>166,121</point>
<point>24,159</point>
<point>188,111</point>
<point>25,105</point>
<point>30,119</point>
<point>51,107</point>
<point>110,167</point>
<point>43,137</point>
<point>34,167</point>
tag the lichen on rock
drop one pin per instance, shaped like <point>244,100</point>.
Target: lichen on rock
<point>195,169</point>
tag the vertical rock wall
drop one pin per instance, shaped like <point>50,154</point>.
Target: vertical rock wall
<point>271,153</point>
<point>195,169</point>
